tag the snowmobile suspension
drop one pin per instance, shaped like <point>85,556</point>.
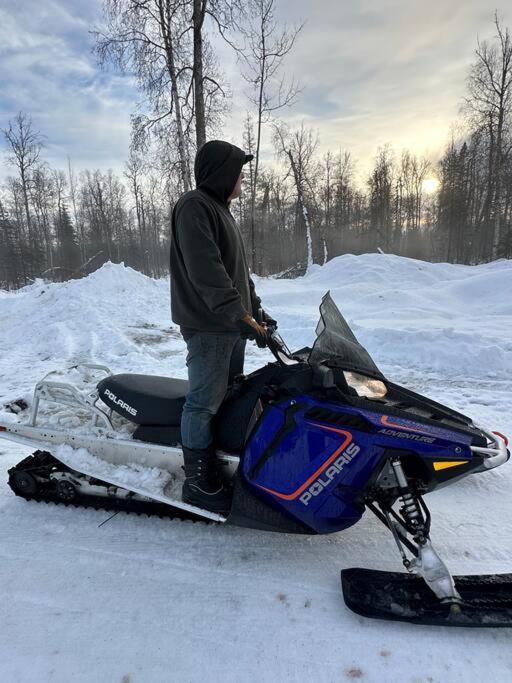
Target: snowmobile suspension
<point>410,509</point>
<point>414,511</point>
<point>414,519</point>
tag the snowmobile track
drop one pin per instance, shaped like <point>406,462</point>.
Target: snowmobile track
<point>41,461</point>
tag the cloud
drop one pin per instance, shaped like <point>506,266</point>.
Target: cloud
<point>374,72</point>
<point>396,69</point>
<point>48,70</point>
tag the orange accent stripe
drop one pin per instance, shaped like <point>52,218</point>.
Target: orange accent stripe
<point>446,464</point>
<point>385,420</point>
<point>325,465</point>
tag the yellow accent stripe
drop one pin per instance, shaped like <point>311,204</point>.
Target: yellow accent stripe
<point>445,464</point>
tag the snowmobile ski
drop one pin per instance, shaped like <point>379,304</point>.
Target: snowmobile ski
<point>486,599</point>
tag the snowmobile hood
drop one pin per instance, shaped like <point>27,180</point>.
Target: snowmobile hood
<point>217,167</point>
<point>336,344</point>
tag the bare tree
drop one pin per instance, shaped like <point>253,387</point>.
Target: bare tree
<point>198,15</point>
<point>489,105</point>
<point>164,43</point>
<point>380,183</point>
<point>299,148</point>
<point>409,186</point>
<point>77,218</point>
<point>149,38</point>
<point>209,95</point>
<point>268,45</point>
<point>44,192</point>
<point>336,197</point>
<point>25,148</point>
<point>133,173</point>
<point>327,199</point>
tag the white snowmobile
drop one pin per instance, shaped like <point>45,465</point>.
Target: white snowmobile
<point>312,440</point>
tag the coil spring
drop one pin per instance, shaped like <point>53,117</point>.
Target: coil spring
<point>410,509</point>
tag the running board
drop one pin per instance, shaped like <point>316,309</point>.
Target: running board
<point>107,446</point>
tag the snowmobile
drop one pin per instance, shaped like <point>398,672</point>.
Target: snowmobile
<point>310,440</point>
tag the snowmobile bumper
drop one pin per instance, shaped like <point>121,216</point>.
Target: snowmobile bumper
<point>494,455</point>
<point>486,600</point>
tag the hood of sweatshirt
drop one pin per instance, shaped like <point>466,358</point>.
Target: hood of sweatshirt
<point>217,167</point>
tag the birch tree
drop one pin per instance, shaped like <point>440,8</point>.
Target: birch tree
<point>299,148</point>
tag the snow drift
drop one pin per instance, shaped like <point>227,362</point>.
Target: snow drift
<point>451,319</point>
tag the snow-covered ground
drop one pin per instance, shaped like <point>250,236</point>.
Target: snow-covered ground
<point>150,600</point>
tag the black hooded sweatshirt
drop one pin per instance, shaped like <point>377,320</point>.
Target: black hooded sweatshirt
<point>210,284</point>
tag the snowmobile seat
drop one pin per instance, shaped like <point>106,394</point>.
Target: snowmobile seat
<point>145,399</point>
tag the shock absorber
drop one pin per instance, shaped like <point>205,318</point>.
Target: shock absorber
<point>427,563</point>
<point>411,510</point>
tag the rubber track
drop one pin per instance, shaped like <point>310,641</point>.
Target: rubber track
<point>41,460</point>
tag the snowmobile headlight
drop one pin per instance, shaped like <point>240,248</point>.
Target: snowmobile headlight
<point>365,386</point>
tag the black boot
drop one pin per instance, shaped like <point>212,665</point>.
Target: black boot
<point>203,486</point>
<point>218,473</point>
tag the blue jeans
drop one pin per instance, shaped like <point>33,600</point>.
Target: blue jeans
<point>213,360</point>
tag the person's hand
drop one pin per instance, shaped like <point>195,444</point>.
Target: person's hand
<point>250,329</point>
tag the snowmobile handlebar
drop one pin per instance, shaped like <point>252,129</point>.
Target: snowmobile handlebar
<point>278,347</point>
<point>274,340</point>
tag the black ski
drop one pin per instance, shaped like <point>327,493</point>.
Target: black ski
<point>486,598</point>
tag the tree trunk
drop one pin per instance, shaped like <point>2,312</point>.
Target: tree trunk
<point>197,21</point>
<point>257,160</point>
<point>303,211</point>
<point>171,69</point>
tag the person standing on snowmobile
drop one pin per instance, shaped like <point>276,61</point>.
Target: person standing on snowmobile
<point>214,302</point>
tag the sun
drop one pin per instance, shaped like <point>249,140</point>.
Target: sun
<point>430,185</point>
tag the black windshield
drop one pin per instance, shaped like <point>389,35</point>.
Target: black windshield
<point>336,344</point>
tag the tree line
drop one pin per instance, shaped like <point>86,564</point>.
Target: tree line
<point>303,208</point>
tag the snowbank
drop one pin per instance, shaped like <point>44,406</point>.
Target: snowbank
<point>451,319</point>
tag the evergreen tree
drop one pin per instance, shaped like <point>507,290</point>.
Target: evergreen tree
<point>68,252</point>
<point>11,266</point>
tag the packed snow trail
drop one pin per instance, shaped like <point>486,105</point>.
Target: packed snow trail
<point>141,599</point>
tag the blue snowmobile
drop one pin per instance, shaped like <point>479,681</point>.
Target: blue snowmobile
<point>311,441</point>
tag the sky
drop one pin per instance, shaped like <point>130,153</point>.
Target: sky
<point>372,72</point>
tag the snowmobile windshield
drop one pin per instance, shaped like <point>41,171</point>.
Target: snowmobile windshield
<point>336,344</point>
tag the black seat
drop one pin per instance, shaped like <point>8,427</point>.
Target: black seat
<point>145,399</point>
